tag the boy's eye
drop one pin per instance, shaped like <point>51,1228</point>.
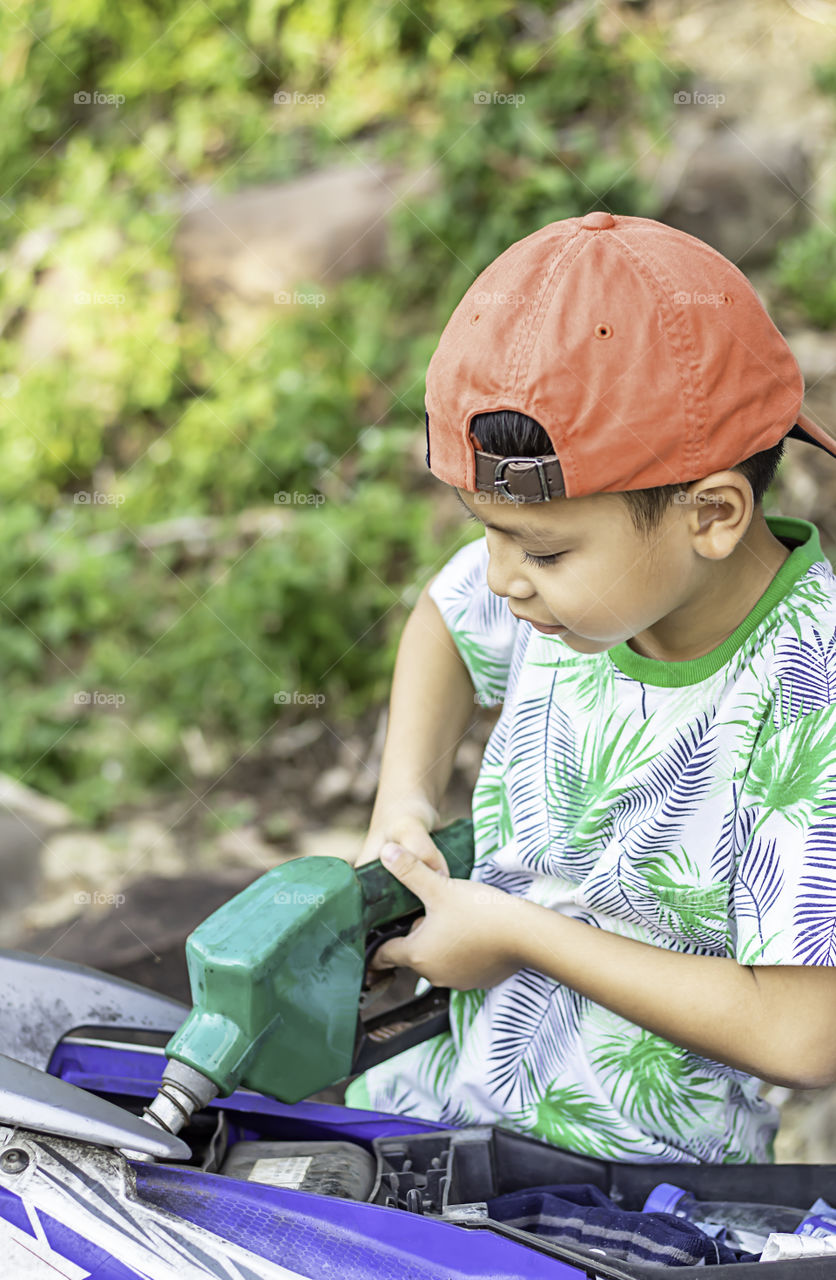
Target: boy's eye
<point>542,561</point>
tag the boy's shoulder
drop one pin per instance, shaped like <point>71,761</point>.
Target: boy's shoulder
<point>794,653</point>
<point>805,604</point>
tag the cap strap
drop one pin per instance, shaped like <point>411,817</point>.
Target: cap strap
<point>523,479</point>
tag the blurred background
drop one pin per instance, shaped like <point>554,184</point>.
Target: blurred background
<point>230,236</point>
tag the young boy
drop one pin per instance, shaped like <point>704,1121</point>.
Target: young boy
<point>650,927</point>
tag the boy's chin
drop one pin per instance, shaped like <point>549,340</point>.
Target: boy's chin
<point>584,644</point>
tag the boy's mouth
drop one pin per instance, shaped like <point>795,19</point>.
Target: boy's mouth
<point>541,626</point>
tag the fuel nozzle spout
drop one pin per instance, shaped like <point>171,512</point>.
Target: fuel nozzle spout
<point>182,1092</point>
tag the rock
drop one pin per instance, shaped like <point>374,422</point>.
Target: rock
<point>286,744</point>
<point>799,488</point>
<point>26,820</point>
<point>364,786</point>
<point>205,759</point>
<point>20,855</point>
<point>355,775</point>
<point>738,189</point>
<point>815,352</point>
<point>332,784</point>
<point>332,842</point>
<point>367,777</point>
<point>243,847</point>
<point>265,240</point>
<point>32,806</point>
<point>143,938</point>
<point>88,870</point>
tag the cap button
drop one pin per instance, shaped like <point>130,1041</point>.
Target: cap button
<point>598,222</point>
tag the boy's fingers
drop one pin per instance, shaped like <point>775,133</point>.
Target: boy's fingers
<point>410,833</point>
<point>411,871</point>
<point>428,851</point>
<point>390,955</point>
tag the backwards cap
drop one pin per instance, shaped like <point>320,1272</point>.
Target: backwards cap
<point>645,355</point>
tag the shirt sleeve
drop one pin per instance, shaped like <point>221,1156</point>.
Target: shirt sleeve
<point>480,622</point>
<point>784,891</point>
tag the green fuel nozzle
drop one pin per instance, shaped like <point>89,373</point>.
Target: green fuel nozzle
<point>277,978</point>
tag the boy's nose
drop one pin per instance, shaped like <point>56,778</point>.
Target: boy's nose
<point>506,575</point>
<point>508,580</point>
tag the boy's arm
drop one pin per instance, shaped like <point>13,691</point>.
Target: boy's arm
<point>430,709</point>
<point>777,1022</point>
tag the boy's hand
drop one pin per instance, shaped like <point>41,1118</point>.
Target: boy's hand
<point>411,830</point>
<point>466,938</point>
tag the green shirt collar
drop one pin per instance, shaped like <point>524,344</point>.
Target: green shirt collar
<point>693,670</point>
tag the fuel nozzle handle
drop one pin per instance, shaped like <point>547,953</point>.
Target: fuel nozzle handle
<point>277,977</point>
<point>386,899</point>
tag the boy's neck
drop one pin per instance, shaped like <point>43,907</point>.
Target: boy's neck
<point>710,617</point>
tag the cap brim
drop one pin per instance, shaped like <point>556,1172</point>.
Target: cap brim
<point>806,429</point>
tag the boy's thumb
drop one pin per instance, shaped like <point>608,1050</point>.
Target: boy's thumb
<point>410,870</point>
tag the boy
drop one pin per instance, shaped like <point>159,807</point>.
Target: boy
<point>650,927</point>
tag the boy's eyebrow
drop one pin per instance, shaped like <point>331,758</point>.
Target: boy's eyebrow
<point>531,533</point>
<point>510,533</point>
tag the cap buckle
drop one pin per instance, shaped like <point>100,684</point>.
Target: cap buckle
<point>501,485</point>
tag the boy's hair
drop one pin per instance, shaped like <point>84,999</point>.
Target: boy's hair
<point>513,434</point>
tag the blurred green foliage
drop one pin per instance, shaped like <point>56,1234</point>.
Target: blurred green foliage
<point>805,265</point>
<point>147,402</point>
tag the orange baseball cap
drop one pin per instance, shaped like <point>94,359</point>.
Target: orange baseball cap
<point>646,356</point>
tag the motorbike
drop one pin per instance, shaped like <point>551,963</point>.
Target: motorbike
<point>143,1140</point>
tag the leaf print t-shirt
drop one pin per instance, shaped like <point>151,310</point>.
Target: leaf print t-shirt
<point>690,805</point>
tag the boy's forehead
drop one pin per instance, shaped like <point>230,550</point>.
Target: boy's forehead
<point>524,519</point>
